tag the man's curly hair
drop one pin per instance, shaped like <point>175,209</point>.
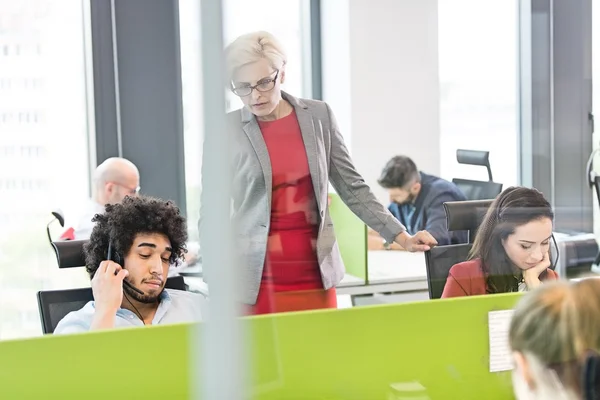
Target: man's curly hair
<point>124,221</point>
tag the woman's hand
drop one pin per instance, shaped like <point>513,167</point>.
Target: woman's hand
<point>420,241</point>
<point>532,275</point>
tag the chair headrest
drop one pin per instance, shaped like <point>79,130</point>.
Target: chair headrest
<point>69,253</point>
<point>465,215</point>
<point>478,190</point>
<point>473,157</point>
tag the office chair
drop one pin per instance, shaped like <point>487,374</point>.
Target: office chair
<point>460,216</point>
<point>58,216</point>
<point>438,262</point>
<point>54,305</point>
<point>466,215</point>
<point>477,190</point>
<point>69,253</point>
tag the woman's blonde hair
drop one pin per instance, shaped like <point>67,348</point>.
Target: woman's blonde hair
<point>557,329</point>
<point>252,47</point>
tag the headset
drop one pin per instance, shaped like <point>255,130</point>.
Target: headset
<point>114,256</point>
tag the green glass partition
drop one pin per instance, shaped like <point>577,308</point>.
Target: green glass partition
<point>351,235</point>
<point>440,346</point>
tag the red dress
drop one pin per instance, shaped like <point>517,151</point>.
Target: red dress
<point>291,279</point>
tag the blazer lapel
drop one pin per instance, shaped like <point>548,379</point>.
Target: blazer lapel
<point>306,122</point>
<point>252,130</point>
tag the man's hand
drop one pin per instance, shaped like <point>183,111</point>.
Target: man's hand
<point>421,241</point>
<point>107,286</point>
<point>531,276</point>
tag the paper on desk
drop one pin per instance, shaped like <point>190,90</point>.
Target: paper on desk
<point>500,354</point>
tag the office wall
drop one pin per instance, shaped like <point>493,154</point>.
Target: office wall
<point>380,75</point>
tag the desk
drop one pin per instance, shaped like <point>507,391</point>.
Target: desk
<point>389,271</point>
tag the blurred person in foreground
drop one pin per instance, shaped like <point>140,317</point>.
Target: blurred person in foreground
<point>555,338</point>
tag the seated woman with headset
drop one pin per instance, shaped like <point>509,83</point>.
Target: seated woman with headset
<point>511,252</point>
<point>555,341</point>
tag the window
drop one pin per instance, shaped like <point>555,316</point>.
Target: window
<point>43,161</point>
<point>478,69</point>
<point>289,23</point>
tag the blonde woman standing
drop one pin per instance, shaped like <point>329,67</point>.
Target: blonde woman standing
<point>286,151</point>
<point>555,339</point>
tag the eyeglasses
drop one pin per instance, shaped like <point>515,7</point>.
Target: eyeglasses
<point>132,191</point>
<point>263,86</point>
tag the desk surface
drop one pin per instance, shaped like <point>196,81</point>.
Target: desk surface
<point>389,271</point>
<point>387,266</point>
<point>395,268</point>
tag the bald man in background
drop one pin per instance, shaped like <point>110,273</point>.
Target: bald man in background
<point>114,179</point>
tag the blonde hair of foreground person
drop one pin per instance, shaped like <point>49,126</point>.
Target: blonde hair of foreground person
<point>555,338</point>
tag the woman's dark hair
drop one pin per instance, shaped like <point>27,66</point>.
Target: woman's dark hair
<point>514,207</point>
<point>398,172</point>
<point>122,222</point>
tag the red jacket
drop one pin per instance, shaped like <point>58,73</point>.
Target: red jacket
<point>468,279</point>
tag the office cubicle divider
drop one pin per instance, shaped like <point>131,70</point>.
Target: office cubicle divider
<point>351,235</point>
<point>440,346</point>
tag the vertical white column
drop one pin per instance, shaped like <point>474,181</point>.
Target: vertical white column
<point>219,352</point>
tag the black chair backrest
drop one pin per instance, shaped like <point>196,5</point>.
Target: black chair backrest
<point>54,305</point>
<point>438,262</point>
<point>175,282</point>
<point>69,253</point>
<point>466,215</point>
<point>478,190</point>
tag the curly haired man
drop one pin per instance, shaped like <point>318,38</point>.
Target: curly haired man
<point>146,235</point>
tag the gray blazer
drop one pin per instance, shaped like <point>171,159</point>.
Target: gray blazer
<point>328,161</point>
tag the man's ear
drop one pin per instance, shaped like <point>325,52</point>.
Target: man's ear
<point>416,188</point>
<point>522,367</point>
<point>109,188</point>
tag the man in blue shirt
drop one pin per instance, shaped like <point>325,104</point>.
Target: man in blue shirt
<point>146,235</point>
<point>417,200</point>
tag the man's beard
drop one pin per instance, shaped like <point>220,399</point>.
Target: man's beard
<point>142,298</point>
<point>409,200</point>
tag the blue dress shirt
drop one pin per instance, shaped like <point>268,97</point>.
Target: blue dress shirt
<point>176,306</point>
